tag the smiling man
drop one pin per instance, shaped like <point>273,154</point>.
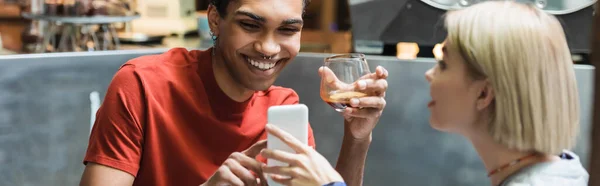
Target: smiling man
<point>198,117</point>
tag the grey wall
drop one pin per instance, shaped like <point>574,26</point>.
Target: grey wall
<point>45,114</point>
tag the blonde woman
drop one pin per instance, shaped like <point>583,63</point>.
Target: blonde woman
<point>507,84</point>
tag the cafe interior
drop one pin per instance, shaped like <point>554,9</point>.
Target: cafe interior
<point>57,58</point>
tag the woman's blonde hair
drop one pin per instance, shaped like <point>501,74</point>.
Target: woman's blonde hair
<point>522,51</point>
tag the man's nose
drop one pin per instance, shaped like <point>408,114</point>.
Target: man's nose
<point>267,46</point>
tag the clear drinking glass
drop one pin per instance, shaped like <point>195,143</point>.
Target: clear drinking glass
<point>339,74</point>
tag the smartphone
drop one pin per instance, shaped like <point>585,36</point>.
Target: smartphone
<point>292,119</point>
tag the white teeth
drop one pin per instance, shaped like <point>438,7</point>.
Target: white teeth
<point>261,65</point>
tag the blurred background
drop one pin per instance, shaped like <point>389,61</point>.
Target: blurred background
<point>378,27</point>
<point>57,58</point>
<point>39,26</point>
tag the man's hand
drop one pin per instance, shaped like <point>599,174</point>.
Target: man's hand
<point>359,120</point>
<point>364,113</point>
<point>236,170</point>
<point>306,166</point>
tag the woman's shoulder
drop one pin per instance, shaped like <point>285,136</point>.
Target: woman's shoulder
<point>567,171</point>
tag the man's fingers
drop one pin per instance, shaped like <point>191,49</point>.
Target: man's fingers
<point>280,170</point>
<point>368,102</point>
<point>373,82</point>
<point>247,162</point>
<point>362,113</point>
<point>240,172</point>
<point>256,148</point>
<point>228,177</point>
<point>379,87</point>
<point>380,73</point>
<point>281,156</point>
<point>373,86</point>
<point>262,181</point>
<point>284,180</point>
<point>287,138</point>
<point>327,74</point>
<point>332,81</point>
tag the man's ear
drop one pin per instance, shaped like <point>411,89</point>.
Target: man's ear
<point>486,95</point>
<point>214,19</point>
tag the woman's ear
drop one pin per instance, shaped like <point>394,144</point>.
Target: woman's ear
<point>214,19</point>
<point>486,96</point>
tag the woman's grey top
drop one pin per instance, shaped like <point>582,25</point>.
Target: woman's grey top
<point>566,172</point>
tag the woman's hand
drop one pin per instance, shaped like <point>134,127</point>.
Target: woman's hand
<point>306,167</point>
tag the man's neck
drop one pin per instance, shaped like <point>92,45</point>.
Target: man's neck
<point>224,79</point>
<point>495,155</point>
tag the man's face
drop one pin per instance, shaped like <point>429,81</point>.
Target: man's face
<point>257,38</point>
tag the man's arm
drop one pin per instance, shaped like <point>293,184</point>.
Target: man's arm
<point>359,121</point>
<point>351,161</point>
<point>96,174</point>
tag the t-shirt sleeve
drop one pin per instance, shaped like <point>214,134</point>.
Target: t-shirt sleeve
<point>291,99</point>
<point>117,135</point>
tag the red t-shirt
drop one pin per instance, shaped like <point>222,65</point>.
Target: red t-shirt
<point>165,120</point>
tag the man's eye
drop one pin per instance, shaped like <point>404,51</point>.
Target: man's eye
<point>249,26</point>
<point>290,30</point>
